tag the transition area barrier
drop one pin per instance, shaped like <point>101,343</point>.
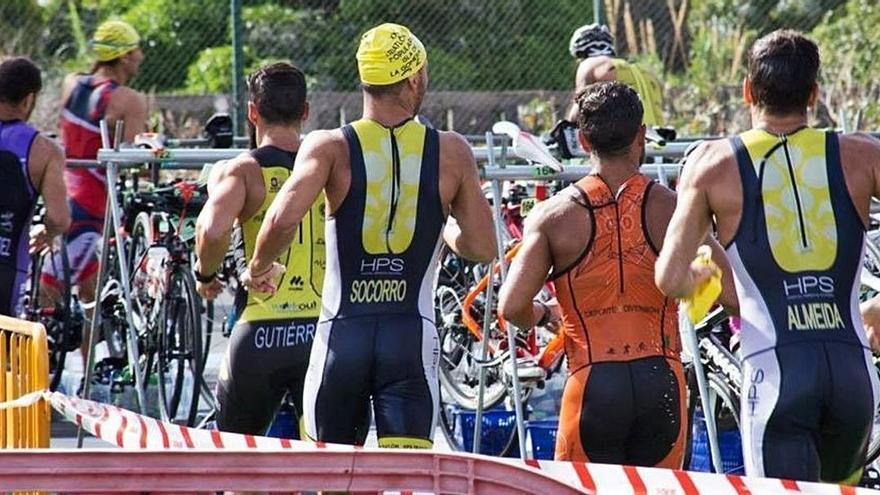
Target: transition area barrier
<point>163,457</point>
<point>24,360</point>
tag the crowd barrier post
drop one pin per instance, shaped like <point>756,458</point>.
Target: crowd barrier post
<point>24,359</point>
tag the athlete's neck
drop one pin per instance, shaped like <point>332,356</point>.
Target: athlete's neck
<point>12,112</point>
<point>280,136</point>
<point>115,73</point>
<point>19,111</point>
<point>778,124</point>
<point>388,112</point>
<point>615,171</point>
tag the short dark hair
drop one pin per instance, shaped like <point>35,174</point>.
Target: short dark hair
<point>380,91</point>
<point>783,67</point>
<point>279,92</point>
<point>610,116</point>
<point>19,77</point>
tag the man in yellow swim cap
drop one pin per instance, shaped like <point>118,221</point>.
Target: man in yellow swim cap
<point>390,183</point>
<point>89,98</point>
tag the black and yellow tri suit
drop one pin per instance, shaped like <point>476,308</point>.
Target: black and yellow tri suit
<point>270,344</point>
<point>376,340</point>
<point>810,387</point>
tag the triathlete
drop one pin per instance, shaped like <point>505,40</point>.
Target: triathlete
<point>593,46</point>
<point>32,165</point>
<point>790,204</point>
<point>89,98</point>
<point>268,352</point>
<point>390,183</point>
<point>597,240</point>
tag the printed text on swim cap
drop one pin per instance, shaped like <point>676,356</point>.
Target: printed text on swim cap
<point>402,47</point>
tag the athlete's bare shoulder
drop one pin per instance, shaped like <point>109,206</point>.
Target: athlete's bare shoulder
<point>861,147</point>
<point>659,207</point>
<point>563,220</point>
<point>860,161</point>
<point>454,146</point>
<point>594,69</point>
<point>241,167</point>
<point>456,155</point>
<point>709,163</point>
<point>552,213</point>
<point>45,146</point>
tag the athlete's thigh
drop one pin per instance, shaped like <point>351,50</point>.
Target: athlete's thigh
<point>849,411</point>
<point>658,434</point>
<point>405,383</point>
<point>568,437</point>
<point>336,396</point>
<point>607,412</point>
<point>247,397</point>
<point>781,406</point>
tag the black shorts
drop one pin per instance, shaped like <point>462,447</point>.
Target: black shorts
<point>624,412</point>
<point>264,360</point>
<point>807,411</point>
<point>390,360</point>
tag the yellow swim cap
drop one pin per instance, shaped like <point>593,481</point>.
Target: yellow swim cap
<point>389,53</point>
<point>114,39</point>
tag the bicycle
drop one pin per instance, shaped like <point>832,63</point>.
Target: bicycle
<point>164,294</point>
<point>56,307</point>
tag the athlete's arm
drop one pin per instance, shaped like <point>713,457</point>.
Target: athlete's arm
<point>870,310</point>
<point>675,274</point>
<point>227,192</point>
<point>472,235</point>
<point>129,106</point>
<point>47,173</point>
<point>528,273</point>
<point>311,171</point>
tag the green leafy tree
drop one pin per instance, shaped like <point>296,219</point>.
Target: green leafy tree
<point>173,33</point>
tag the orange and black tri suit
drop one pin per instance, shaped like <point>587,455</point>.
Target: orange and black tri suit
<point>624,399</point>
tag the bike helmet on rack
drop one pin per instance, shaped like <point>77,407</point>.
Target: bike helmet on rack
<point>591,40</point>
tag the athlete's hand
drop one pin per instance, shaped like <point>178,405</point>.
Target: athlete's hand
<point>266,282</point>
<point>870,310</point>
<point>40,240</point>
<point>210,290</point>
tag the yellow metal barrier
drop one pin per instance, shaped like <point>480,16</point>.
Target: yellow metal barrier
<point>24,359</point>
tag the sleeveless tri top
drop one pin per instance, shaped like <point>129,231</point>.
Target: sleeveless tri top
<point>383,241</point>
<point>81,133</point>
<point>797,253</point>
<point>18,197</point>
<point>299,290</point>
<point>611,308</point>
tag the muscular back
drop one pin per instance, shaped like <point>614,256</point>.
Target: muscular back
<point>565,212</point>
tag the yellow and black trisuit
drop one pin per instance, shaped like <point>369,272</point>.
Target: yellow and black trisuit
<point>270,344</point>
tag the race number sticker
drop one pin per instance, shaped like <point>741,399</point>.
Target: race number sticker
<point>526,205</point>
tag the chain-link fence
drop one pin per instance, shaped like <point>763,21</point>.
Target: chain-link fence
<point>489,59</point>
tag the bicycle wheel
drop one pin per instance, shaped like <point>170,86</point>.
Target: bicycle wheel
<point>54,306</point>
<point>179,349</point>
<point>459,361</point>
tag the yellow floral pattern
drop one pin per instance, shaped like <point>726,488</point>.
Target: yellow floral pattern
<point>806,149</point>
<point>375,141</point>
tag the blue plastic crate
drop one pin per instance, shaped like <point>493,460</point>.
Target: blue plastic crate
<point>285,425</point>
<point>542,437</point>
<point>730,445</point>
<point>498,426</point>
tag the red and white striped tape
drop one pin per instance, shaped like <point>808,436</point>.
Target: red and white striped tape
<point>129,430</point>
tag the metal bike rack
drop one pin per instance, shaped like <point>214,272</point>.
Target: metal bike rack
<point>113,158</point>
